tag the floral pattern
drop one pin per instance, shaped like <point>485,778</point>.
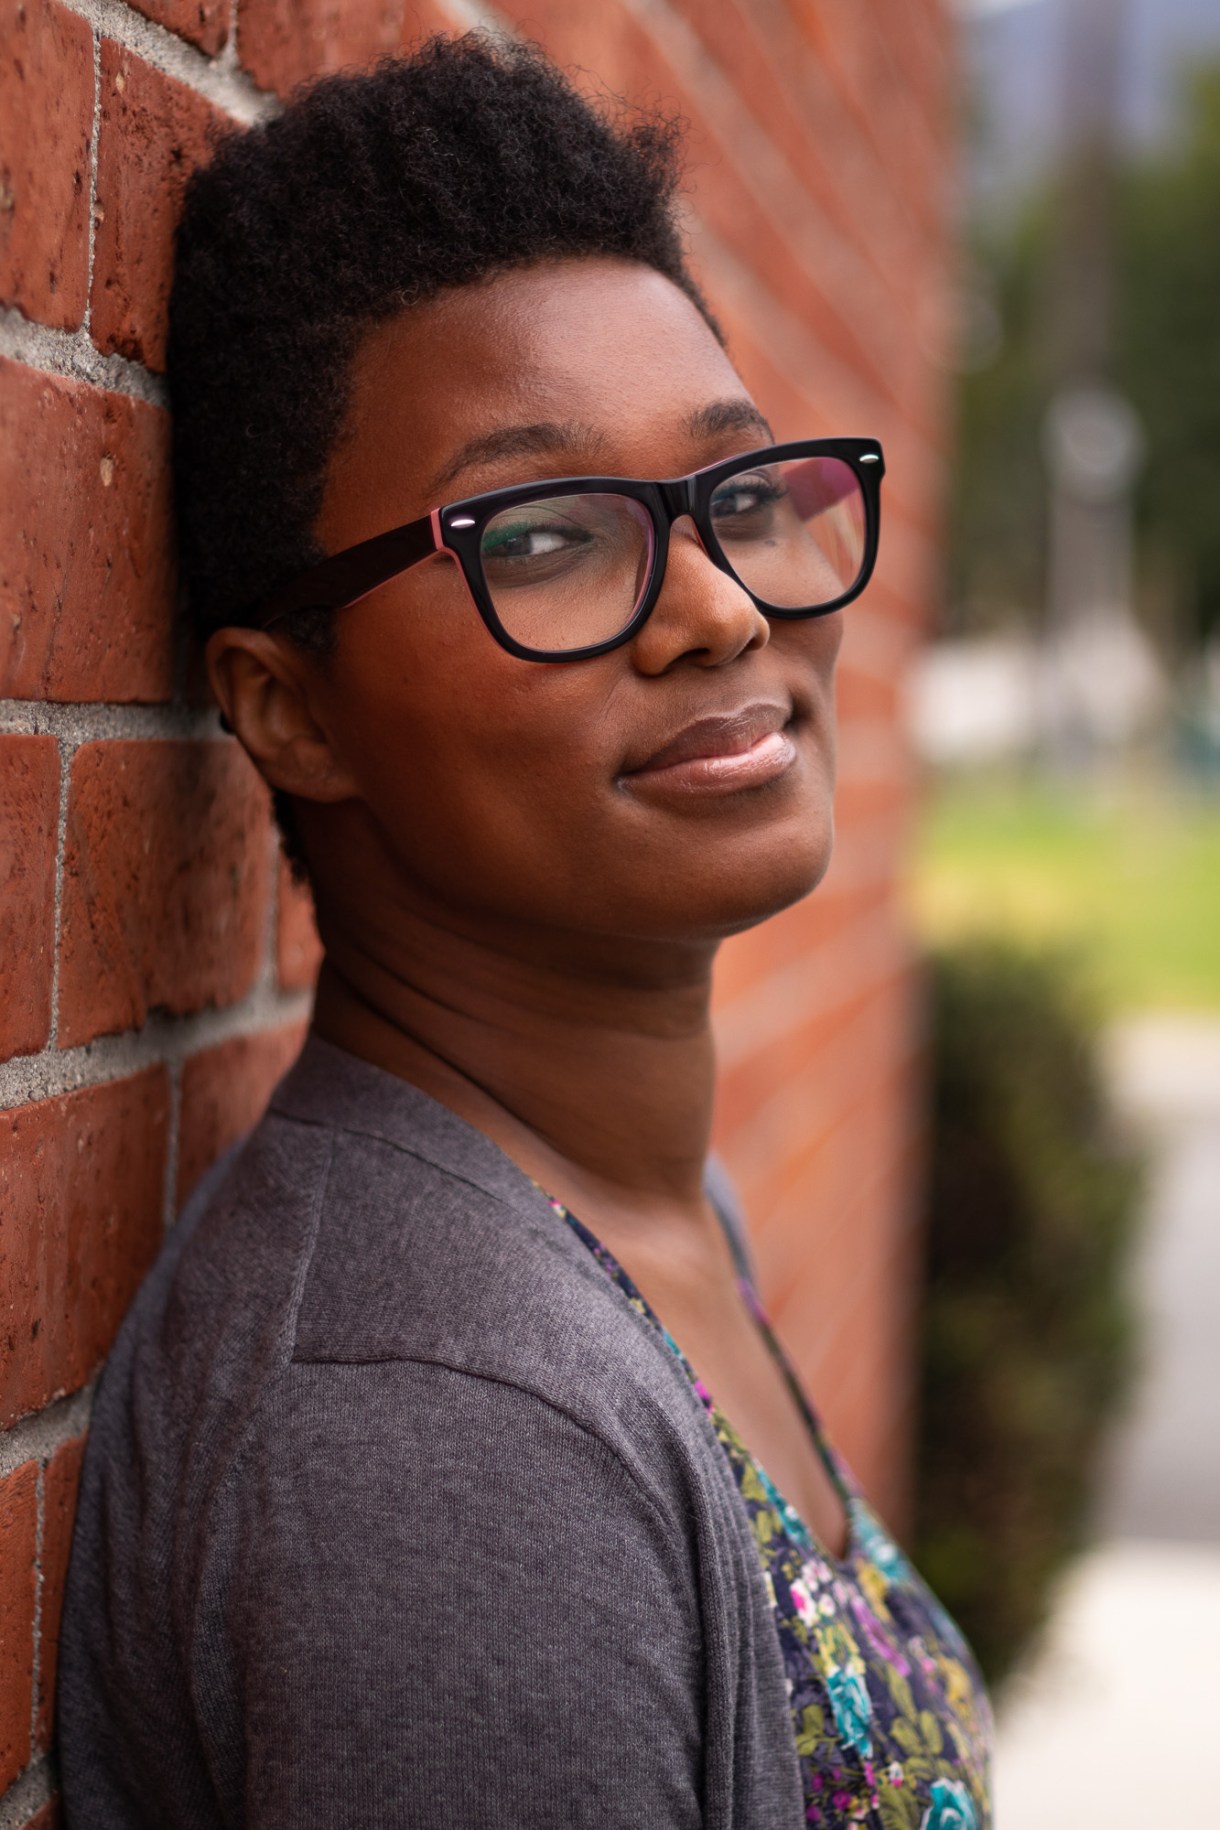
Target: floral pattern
<point>892,1723</point>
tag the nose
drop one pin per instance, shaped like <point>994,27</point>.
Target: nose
<point>701,615</point>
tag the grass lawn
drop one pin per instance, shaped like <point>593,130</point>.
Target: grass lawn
<point>1130,875</point>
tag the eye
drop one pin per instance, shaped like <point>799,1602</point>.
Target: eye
<point>531,540</point>
<point>746,497</point>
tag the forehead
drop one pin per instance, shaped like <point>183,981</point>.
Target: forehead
<point>610,347</point>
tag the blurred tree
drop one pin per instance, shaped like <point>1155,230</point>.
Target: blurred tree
<point>1168,348</point>
<point>1025,1344</point>
<point>997,532</point>
<point>1165,356</point>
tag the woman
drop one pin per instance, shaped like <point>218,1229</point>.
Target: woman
<point>446,1472</point>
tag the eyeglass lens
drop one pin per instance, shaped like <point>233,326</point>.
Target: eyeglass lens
<point>569,571</point>
<point>794,532</point>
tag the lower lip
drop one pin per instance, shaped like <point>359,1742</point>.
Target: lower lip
<point>765,761</point>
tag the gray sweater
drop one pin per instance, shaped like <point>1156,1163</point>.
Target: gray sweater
<point>396,1513</point>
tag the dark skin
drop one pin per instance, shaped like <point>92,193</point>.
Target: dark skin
<point>520,916</point>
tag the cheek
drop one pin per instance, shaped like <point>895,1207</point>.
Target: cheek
<point>480,769</point>
<point>812,644</point>
<point>491,779</point>
<point>807,652</point>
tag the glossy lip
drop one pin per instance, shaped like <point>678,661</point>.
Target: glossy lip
<point>721,753</point>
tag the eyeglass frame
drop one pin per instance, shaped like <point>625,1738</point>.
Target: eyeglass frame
<point>342,579</point>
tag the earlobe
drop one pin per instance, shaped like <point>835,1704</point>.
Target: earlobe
<point>263,688</point>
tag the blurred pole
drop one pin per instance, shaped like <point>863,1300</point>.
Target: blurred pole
<point>1097,676</point>
<point>1094,32</point>
<point>1095,663</point>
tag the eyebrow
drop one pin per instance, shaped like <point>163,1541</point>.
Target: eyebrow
<point>734,415</point>
<point>550,437</point>
<point>545,439</point>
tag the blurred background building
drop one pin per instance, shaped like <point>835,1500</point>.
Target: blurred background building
<point>1067,713</point>
<point>1082,614</point>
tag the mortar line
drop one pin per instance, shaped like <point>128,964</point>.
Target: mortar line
<point>37,1435</point>
<point>227,57</point>
<point>224,84</point>
<point>65,747</point>
<point>36,1661</point>
<point>29,1792</point>
<point>76,723</point>
<point>73,353</point>
<point>28,1079</point>
<point>95,149</point>
<point>475,16</point>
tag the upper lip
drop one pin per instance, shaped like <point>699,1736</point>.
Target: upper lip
<point>717,734</point>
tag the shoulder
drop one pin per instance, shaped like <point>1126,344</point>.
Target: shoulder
<point>431,1584</point>
<point>363,1226</point>
<point>379,1427</point>
<point>407,1469</point>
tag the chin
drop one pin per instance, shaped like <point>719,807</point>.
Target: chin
<point>794,878</point>
<point>724,888</point>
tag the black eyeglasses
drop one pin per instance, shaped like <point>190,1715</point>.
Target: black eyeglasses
<point>570,567</point>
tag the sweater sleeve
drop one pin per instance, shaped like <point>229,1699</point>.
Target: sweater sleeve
<point>445,1604</point>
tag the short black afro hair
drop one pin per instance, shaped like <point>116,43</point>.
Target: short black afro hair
<point>371,192</point>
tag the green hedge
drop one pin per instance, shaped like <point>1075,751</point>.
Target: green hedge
<point>1026,1339</point>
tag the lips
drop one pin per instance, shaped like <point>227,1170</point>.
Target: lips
<point>719,735</point>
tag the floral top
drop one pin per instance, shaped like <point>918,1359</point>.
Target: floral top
<point>893,1726</point>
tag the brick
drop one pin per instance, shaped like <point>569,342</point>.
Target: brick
<point>167,867</point>
<point>46,161</point>
<point>788,938</point>
<point>860,695</point>
<point>18,1579</point>
<point>86,573</point>
<point>153,131</point>
<point>297,947</point>
<point>29,817</point>
<point>779,1069</point>
<point>224,1091</point>
<point>792,100</point>
<point>836,1179</point>
<point>203,22</point>
<point>882,90</point>
<point>59,1486</point>
<point>49,1818</point>
<point>285,42</point>
<point>82,1182</point>
<point>607,49</point>
<point>871,798</point>
<point>763,221</point>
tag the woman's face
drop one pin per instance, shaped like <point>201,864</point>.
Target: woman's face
<point>495,790</point>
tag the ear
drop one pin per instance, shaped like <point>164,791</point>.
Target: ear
<point>269,693</point>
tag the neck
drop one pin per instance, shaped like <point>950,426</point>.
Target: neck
<point>590,1065</point>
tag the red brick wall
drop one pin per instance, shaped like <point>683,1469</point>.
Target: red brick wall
<point>154,963</point>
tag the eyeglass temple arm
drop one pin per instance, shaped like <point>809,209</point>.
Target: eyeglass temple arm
<point>334,583</point>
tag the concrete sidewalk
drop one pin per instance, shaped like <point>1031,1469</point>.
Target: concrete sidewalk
<point>1114,1727</point>
<point>1111,1726</point>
